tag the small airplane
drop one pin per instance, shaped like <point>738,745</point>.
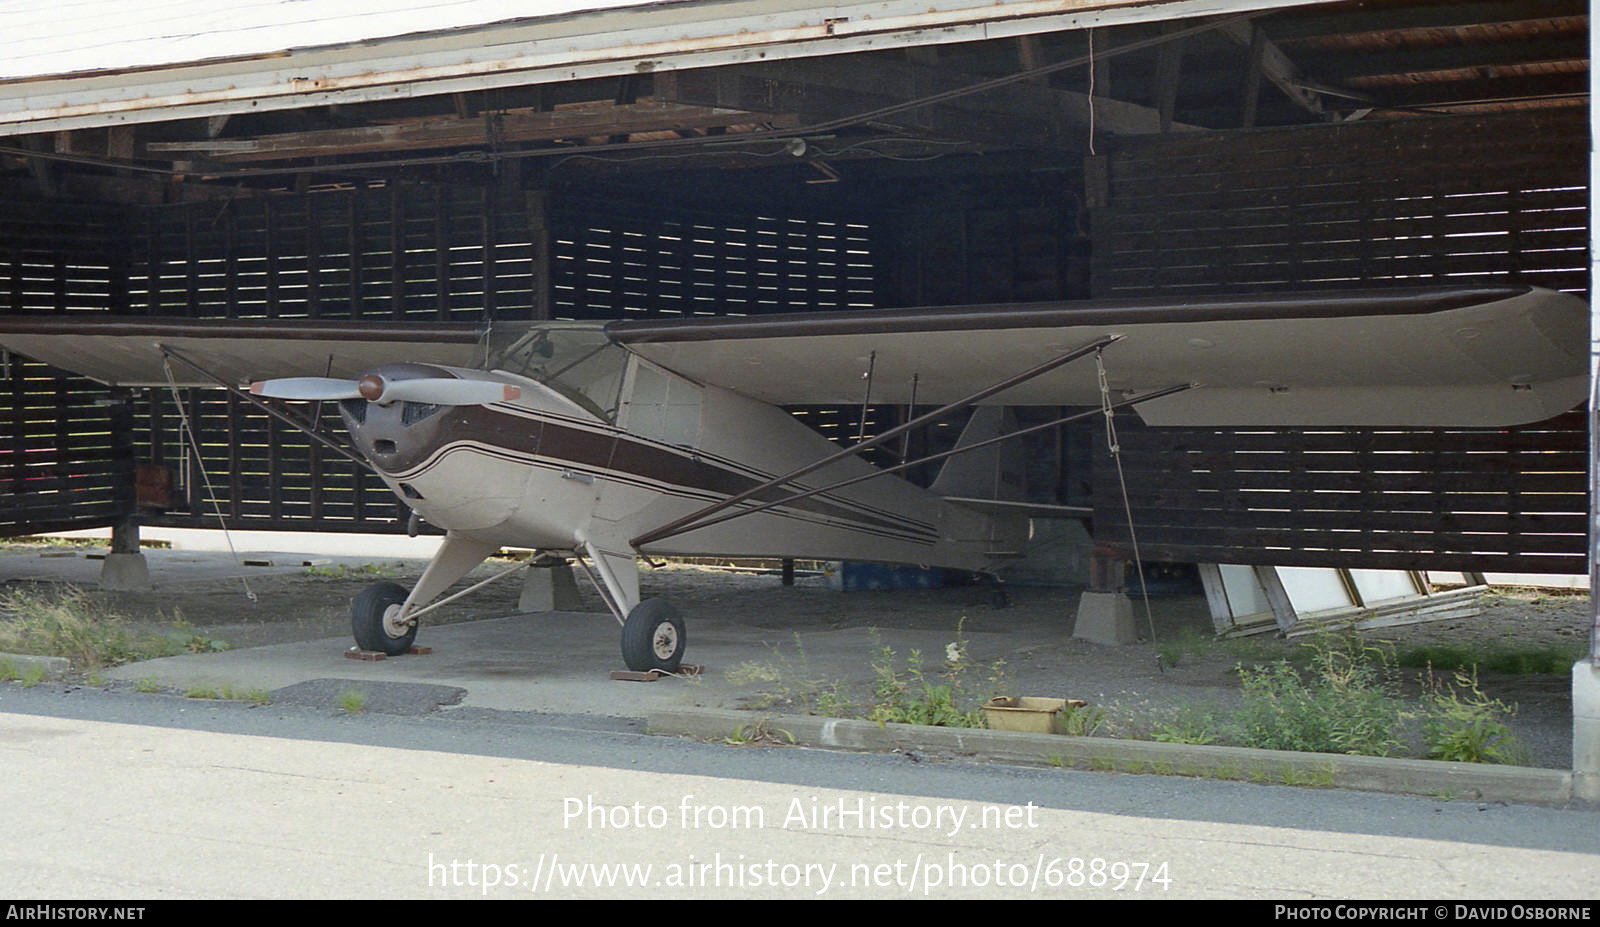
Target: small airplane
<point>607,442</point>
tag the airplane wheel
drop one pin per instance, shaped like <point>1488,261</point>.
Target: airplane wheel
<point>374,619</point>
<point>652,637</point>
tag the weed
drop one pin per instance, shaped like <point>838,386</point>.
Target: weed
<point>1190,724</point>
<point>230,694</point>
<point>95,679</point>
<point>345,571</point>
<point>1056,760</point>
<point>205,692</point>
<point>67,623</point>
<point>1510,659</point>
<point>1080,721</point>
<point>147,685</point>
<point>1463,724</point>
<point>353,701</point>
<point>1319,777</point>
<point>31,676</point>
<point>1343,708</point>
<point>1188,643</point>
<point>8,670</point>
<point>912,698</point>
<point>759,732</point>
<point>790,683</point>
<point>183,638</point>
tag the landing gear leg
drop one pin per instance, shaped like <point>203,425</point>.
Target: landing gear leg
<point>381,616</point>
<point>1000,597</point>
<point>652,630</point>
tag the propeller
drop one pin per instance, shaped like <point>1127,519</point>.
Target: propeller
<point>439,391</point>
<point>306,388</point>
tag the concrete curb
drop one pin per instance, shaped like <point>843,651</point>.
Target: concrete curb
<point>52,667</point>
<point>1272,767</point>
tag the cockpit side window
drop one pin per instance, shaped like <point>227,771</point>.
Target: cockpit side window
<point>663,406</point>
<point>580,363</point>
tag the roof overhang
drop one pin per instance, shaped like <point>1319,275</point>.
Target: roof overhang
<point>293,65</point>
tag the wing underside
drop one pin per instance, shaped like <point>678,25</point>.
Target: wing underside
<point>1436,357</point>
<point>139,352</point>
<point>1468,357</point>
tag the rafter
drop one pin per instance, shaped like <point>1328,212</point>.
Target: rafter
<point>601,119</point>
<point>1274,65</point>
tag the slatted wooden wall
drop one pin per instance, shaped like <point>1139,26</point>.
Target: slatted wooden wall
<point>63,462</point>
<point>1479,199</point>
<point>611,261</point>
<point>390,252</point>
<point>436,253</point>
<point>377,253</point>
<point>1507,500</point>
<point>1460,199</point>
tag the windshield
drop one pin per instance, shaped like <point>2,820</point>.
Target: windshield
<point>578,361</point>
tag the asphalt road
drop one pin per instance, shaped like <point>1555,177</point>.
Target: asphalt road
<point>119,795</point>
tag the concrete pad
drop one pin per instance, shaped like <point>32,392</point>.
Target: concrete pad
<point>551,662</point>
<point>162,568</point>
<point>1586,730</point>
<point>1105,618</point>
<point>549,589</point>
<point>22,664</point>
<point>125,572</point>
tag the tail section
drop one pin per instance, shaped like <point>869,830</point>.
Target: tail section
<point>991,479</point>
<point>991,474</point>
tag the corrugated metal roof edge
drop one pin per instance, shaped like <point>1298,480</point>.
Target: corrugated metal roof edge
<point>704,34</point>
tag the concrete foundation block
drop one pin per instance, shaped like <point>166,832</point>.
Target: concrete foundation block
<point>550,589</point>
<point>1105,618</point>
<point>125,572</point>
<point>1586,731</point>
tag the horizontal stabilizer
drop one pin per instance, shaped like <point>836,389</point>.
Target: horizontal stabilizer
<point>1030,509</point>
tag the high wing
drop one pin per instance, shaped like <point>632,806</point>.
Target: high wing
<point>1466,357</point>
<point>128,351</point>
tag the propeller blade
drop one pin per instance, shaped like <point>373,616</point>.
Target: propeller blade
<point>306,388</point>
<point>443,391</point>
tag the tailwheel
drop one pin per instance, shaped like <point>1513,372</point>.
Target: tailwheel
<point>652,637</point>
<point>375,619</point>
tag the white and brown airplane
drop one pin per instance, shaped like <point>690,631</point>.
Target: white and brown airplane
<point>611,441</point>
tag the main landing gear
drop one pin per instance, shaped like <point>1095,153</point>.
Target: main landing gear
<point>375,619</point>
<point>652,637</point>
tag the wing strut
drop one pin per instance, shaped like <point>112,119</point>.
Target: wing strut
<point>1076,416</point>
<point>279,414</point>
<point>692,520</point>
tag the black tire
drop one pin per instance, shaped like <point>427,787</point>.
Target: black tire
<point>366,619</point>
<point>652,637</point>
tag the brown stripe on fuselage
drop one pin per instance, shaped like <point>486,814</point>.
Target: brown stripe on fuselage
<point>588,449</point>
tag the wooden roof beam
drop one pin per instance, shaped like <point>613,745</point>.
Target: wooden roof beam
<point>1289,26</point>
<point>589,121</point>
<point>1030,114</point>
<point>1270,62</point>
<point>1351,65</point>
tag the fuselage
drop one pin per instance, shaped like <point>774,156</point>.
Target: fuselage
<point>558,467</point>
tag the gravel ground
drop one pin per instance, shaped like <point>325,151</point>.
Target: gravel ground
<point>789,630</point>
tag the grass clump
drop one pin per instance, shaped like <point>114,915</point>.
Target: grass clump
<point>1550,659</point>
<point>789,683</point>
<point>912,696</point>
<point>67,623</point>
<point>353,701</point>
<point>1342,704</point>
<point>345,571</point>
<point>1464,725</point>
